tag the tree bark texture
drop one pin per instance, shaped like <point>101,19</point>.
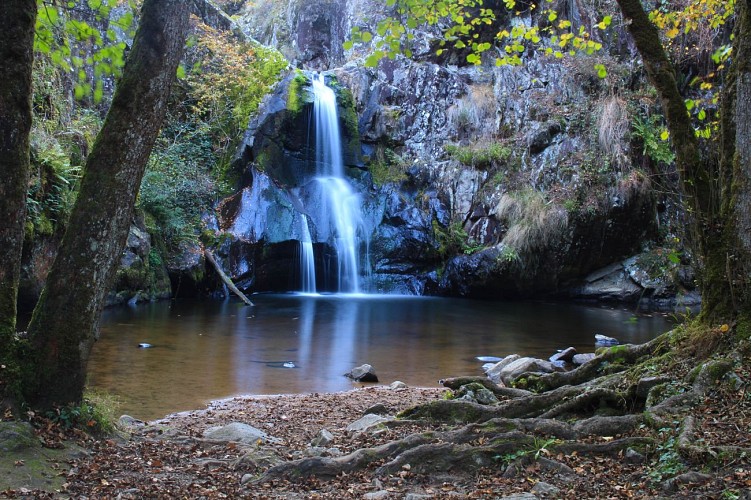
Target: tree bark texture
<point>714,207</point>
<point>17,18</point>
<point>740,191</point>
<point>726,290</point>
<point>65,322</point>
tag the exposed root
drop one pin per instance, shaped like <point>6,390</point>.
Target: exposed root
<point>595,397</point>
<point>525,426</point>
<point>501,392</point>
<point>326,468</point>
<point>703,454</point>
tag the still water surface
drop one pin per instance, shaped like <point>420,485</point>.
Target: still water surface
<point>205,350</point>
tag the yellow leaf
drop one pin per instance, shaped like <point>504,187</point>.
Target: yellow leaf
<point>664,135</point>
<point>724,328</point>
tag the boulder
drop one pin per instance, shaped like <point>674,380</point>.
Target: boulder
<point>398,384</point>
<point>494,372</point>
<point>476,393</point>
<point>366,423</point>
<point>363,373</point>
<point>566,355</point>
<point>238,432</point>
<point>15,436</point>
<point>377,409</point>
<point>580,359</point>
<point>523,365</point>
<point>322,439</point>
<point>605,341</point>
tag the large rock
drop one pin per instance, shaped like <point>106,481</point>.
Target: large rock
<point>15,436</point>
<point>363,373</point>
<point>523,365</point>
<point>566,355</point>
<point>494,371</point>
<point>238,432</point>
<point>367,422</point>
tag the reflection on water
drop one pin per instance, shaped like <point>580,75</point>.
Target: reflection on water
<point>209,350</point>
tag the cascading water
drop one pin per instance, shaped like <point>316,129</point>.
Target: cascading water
<point>307,261</point>
<point>338,212</point>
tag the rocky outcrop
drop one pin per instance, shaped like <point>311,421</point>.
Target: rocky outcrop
<point>484,181</point>
<point>142,275</point>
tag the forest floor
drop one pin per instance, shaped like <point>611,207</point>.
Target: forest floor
<point>408,457</point>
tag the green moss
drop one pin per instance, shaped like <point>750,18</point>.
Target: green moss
<point>296,95</point>
<point>349,114</point>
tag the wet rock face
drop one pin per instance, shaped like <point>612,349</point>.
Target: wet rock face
<point>541,113</point>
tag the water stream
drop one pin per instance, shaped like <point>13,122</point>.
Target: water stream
<point>206,350</point>
<point>337,214</point>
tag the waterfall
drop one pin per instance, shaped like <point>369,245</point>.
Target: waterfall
<point>307,262</point>
<point>338,215</point>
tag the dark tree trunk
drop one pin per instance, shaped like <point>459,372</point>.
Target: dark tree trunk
<point>717,192</point>
<point>733,259</point>
<point>17,18</point>
<point>65,322</point>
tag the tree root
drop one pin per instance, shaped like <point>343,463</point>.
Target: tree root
<point>580,401</point>
<point>546,405</point>
<point>501,392</point>
<point>703,454</point>
<point>468,448</point>
<point>616,356</point>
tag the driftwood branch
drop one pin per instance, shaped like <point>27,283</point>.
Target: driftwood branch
<point>227,281</point>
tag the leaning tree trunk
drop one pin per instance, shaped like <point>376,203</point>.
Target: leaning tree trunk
<point>65,322</point>
<point>17,18</point>
<point>713,206</point>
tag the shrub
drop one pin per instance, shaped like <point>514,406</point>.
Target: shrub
<point>613,128</point>
<point>387,168</point>
<point>453,240</point>
<point>653,137</point>
<point>481,155</point>
<point>474,114</point>
<point>533,222</point>
<point>177,187</point>
<point>53,184</point>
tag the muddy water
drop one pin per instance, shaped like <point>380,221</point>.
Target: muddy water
<point>207,350</point>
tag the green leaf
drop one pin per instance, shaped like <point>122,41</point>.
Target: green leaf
<point>372,60</point>
<point>348,45</point>
<point>367,36</point>
<point>181,72</point>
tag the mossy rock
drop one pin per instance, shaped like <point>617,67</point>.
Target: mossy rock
<point>15,436</point>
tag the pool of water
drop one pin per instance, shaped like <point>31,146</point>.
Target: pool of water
<point>203,350</point>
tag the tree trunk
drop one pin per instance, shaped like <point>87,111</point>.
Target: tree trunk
<point>734,249</point>
<point>17,18</point>
<point>65,322</point>
<point>713,206</point>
